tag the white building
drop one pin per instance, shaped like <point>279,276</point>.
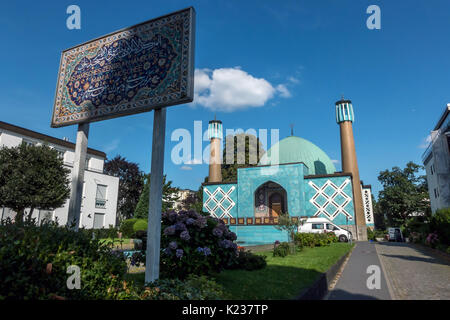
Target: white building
<point>437,163</point>
<point>100,191</point>
<point>182,195</point>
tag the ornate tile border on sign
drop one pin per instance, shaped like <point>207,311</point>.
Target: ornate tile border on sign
<point>137,69</point>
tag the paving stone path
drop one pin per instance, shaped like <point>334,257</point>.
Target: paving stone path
<point>413,272</point>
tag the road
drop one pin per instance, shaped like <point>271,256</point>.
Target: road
<point>406,272</point>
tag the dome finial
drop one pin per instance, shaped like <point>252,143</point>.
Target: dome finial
<point>292,129</point>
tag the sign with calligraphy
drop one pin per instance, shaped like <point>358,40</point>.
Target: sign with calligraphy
<point>367,203</point>
<point>137,69</point>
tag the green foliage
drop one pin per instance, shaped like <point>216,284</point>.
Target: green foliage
<point>370,234</point>
<point>131,183</point>
<point>311,240</point>
<point>404,193</point>
<point>169,198</point>
<point>126,227</point>
<point>249,261</point>
<point>281,250</point>
<point>34,261</point>
<point>193,288</point>
<point>440,223</point>
<point>240,147</point>
<point>285,223</point>
<point>140,225</point>
<point>32,177</point>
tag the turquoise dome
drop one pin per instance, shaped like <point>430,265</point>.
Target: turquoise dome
<point>295,149</point>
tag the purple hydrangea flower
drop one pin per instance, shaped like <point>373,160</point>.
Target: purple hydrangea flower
<point>179,253</point>
<point>170,230</point>
<point>201,222</point>
<point>173,245</point>
<point>185,235</point>
<point>206,251</point>
<point>217,232</point>
<point>180,226</point>
<point>200,249</point>
<point>173,216</point>
<point>225,244</point>
<point>190,221</point>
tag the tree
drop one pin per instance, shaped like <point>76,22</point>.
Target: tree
<point>247,150</point>
<point>32,177</point>
<point>169,198</point>
<point>285,223</point>
<point>378,215</point>
<point>194,201</point>
<point>131,183</point>
<point>405,193</point>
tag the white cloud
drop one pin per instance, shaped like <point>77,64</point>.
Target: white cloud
<point>231,89</point>
<point>335,161</point>
<point>426,141</point>
<point>111,146</point>
<point>294,80</point>
<point>186,168</point>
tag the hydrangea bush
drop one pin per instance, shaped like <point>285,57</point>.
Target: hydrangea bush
<point>193,243</point>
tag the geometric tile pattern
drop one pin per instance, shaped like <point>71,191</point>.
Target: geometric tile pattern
<point>330,199</point>
<point>219,203</point>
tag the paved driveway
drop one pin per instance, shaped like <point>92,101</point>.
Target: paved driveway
<point>352,284</point>
<point>413,272</point>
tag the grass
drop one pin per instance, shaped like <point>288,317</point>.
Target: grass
<point>282,278</point>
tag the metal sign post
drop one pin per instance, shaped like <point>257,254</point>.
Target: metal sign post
<point>76,190</point>
<point>155,199</point>
<point>145,67</point>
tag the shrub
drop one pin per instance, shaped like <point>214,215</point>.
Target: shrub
<point>440,222</point>
<point>282,250</point>
<point>193,288</point>
<point>432,240</point>
<point>126,227</point>
<point>140,225</point>
<point>315,239</point>
<point>247,260</point>
<point>371,234</point>
<point>193,243</point>
<point>34,261</point>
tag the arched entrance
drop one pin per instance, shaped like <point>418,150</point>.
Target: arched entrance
<point>270,200</point>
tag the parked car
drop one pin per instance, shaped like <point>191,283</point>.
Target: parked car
<point>395,234</point>
<point>322,225</point>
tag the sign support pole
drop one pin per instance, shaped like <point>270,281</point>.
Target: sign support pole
<point>155,198</point>
<point>76,191</point>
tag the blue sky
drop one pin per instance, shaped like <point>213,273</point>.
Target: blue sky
<point>306,54</point>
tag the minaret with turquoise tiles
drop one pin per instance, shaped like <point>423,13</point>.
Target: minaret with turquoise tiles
<point>215,132</point>
<point>345,118</point>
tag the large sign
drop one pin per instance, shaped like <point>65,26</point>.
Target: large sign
<point>137,69</point>
<point>367,203</point>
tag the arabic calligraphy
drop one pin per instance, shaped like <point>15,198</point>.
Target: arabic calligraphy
<point>130,71</point>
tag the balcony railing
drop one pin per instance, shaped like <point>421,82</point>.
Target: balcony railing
<point>100,203</point>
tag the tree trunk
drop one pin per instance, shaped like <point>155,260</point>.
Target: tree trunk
<point>19,215</point>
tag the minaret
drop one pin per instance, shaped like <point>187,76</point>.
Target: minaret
<point>215,163</point>
<point>345,117</point>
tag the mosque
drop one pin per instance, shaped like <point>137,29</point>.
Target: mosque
<point>293,177</point>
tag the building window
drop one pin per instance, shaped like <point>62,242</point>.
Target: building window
<point>86,163</point>
<point>431,168</point>
<point>28,142</point>
<point>436,193</point>
<point>60,154</point>
<point>100,199</point>
<point>99,220</point>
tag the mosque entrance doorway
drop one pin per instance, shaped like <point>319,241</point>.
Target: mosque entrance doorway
<point>270,200</point>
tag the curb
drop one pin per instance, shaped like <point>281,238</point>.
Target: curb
<point>319,288</point>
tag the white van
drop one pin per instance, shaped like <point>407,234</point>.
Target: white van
<point>321,225</point>
<point>395,234</point>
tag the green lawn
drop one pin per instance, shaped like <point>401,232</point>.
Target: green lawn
<point>282,278</point>
<point>116,241</point>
